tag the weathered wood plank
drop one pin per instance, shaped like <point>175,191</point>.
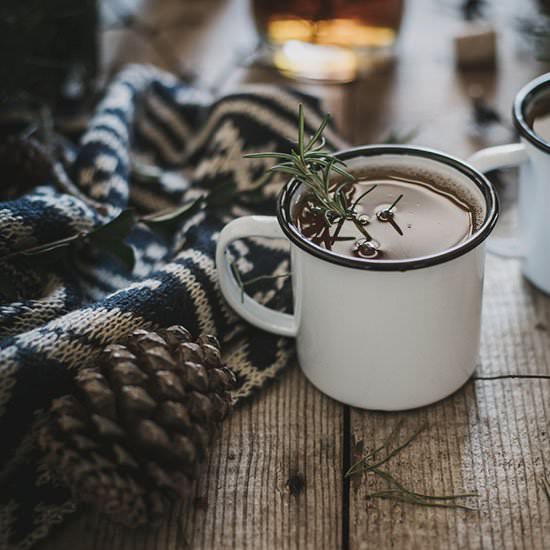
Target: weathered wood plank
<point>516,323</point>
<point>292,436</point>
<point>491,436</point>
<point>245,498</point>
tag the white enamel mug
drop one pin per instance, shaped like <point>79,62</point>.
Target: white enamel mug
<point>386,335</point>
<point>532,156</point>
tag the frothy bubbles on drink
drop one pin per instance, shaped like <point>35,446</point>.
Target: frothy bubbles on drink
<point>366,249</point>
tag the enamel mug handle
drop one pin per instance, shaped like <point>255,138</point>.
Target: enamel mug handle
<point>255,313</point>
<point>492,158</point>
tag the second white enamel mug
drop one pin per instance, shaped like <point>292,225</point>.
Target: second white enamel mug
<point>532,155</point>
<point>386,335</point>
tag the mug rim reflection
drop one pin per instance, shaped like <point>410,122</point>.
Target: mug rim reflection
<point>519,111</point>
<point>284,217</point>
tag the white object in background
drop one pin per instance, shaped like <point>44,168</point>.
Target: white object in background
<point>387,335</point>
<point>532,156</point>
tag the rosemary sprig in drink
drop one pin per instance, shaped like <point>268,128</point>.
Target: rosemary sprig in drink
<point>311,164</point>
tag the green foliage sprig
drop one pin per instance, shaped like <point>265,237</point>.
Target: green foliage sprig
<point>371,461</point>
<point>110,237</point>
<point>311,164</point>
<point>243,284</point>
<point>334,203</point>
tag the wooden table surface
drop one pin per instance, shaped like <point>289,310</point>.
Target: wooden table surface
<point>275,478</point>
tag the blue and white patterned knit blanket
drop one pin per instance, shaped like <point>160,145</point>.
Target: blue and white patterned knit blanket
<point>55,321</point>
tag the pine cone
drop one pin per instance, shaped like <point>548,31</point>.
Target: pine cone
<point>24,164</point>
<point>135,433</point>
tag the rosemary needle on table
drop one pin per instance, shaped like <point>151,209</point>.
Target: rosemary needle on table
<point>370,463</point>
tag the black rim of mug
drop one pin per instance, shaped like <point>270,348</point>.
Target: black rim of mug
<point>519,112</point>
<point>486,188</point>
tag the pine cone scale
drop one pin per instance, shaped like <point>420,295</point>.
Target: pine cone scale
<point>135,433</point>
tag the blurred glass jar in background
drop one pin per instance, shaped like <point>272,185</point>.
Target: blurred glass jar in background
<point>334,40</point>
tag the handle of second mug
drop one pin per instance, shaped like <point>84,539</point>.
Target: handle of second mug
<point>255,313</point>
<point>492,158</point>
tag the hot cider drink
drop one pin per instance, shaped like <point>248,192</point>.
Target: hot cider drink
<point>399,215</point>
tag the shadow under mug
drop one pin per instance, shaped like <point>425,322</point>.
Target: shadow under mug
<point>387,335</point>
<point>532,155</point>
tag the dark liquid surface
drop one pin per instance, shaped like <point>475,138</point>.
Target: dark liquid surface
<point>424,221</point>
<point>541,126</point>
<point>538,115</point>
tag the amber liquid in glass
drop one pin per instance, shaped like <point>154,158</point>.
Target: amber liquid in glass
<point>346,23</point>
<point>333,40</point>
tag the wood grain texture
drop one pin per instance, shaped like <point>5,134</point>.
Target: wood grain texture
<point>516,323</point>
<point>244,499</point>
<point>490,437</point>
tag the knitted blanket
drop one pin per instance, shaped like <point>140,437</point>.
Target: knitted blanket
<point>55,320</point>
